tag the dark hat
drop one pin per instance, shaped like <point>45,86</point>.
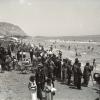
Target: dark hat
<point>87,63</point>
<point>32,78</point>
<point>76,59</point>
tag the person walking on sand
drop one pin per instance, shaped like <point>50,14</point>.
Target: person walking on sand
<point>33,87</point>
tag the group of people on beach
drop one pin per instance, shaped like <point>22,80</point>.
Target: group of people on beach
<point>8,61</point>
<point>5,59</point>
<point>48,67</point>
<point>74,75</point>
<point>53,67</point>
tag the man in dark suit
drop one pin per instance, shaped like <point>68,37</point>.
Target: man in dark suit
<point>40,80</point>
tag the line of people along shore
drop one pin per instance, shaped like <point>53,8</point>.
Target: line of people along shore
<point>49,66</point>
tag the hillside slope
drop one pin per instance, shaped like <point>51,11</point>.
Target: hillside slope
<point>8,29</point>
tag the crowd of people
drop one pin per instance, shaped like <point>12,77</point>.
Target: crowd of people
<point>47,67</point>
<point>7,59</point>
<point>53,67</point>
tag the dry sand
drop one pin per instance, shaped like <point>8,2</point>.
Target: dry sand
<point>14,86</point>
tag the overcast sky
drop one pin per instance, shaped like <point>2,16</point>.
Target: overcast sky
<point>53,17</point>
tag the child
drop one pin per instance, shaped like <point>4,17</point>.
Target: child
<point>49,90</point>
<point>33,87</point>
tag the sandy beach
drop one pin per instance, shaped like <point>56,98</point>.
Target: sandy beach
<point>14,86</point>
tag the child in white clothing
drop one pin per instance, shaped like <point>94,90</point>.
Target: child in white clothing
<point>49,90</point>
<point>33,87</point>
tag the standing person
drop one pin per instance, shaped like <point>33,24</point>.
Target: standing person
<point>40,81</point>
<point>69,47</point>
<point>49,90</point>
<point>79,76</point>
<point>8,62</point>
<point>63,70</point>
<point>12,47</point>
<point>94,64</point>
<point>69,71</point>
<point>58,64</point>
<point>75,65</point>
<point>60,54</point>
<point>2,57</point>
<point>35,61</point>
<point>9,52</point>
<point>31,54</point>
<point>86,74</point>
<point>18,55</point>
<point>14,60</point>
<point>51,48</point>
<point>33,87</point>
<point>50,71</point>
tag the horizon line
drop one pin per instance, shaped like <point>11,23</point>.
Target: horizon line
<point>66,35</point>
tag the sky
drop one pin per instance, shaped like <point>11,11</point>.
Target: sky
<point>53,17</point>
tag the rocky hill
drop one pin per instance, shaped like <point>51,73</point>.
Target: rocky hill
<point>8,29</point>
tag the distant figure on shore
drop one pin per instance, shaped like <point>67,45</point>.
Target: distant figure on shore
<point>51,48</point>
<point>88,47</point>
<point>78,54</point>
<point>92,49</point>
<point>75,49</point>
<point>69,47</point>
